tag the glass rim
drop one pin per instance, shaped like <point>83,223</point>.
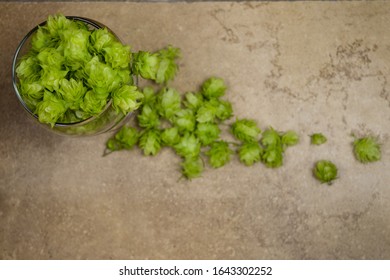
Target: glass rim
<point>91,22</point>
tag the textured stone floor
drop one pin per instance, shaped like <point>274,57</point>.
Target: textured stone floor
<point>310,67</point>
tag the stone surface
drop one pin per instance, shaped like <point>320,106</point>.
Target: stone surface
<point>310,67</point>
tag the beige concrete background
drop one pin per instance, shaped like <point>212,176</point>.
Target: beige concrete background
<point>310,67</point>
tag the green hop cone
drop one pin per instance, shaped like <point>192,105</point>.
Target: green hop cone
<point>101,38</point>
<point>184,120</point>
<point>325,171</point>
<point>33,90</point>
<point>169,102</point>
<point>127,136</point>
<point>101,77</point>
<point>113,145</point>
<point>193,101</point>
<point>76,51</point>
<point>50,109</point>
<point>188,146</point>
<point>92,104</point>
<point>150,96</point>
<point>223,110</point>
<point>207,133</point>
<point>213,88</point>
<point>271,138</point>
<point>57,24</point>
<point>192,167</point>
<point>167,66</point>
<point>367,149</point>
<point>148,117</point>
<point>170,136</point>
<point>150,142</point>
<point>289,138</point>
<point>245,130</point>
<point>51,58</point>
<point>317,139</point>
<point>206,113</point>
<point>250,152</point>
<point>219,154</point>
<point>42,39</point>
<point>28,69</point>
<point>51,78</point>
<point>117,55</point>
<point>72,92</point>
<point>126,99</point>
<point>145,64</point>
<point>273,156</point>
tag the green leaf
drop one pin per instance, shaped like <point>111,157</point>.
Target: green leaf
<point>318,139</point>
<point>245,130</point>
<point>126,99</point>
<point>250,152</point>
<point>170,136</point>
<point>169,102</point>
<point>150,142</point>
<point>148,118</point>
<point>213,88</point>
<point>192,167</point>
<point>184,120</point>
<point>50,109</point>
<point>207,133</point>
<point>219,154</point>
<point>325,171</point>
<point>367,149</point>
<point>188,146</point>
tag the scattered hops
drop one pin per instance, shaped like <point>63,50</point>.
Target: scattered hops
<point>190,125</point>
<point>267,147</point>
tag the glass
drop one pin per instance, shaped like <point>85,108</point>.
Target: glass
<point>107,120</point>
